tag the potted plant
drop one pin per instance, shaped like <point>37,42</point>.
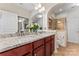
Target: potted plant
<point>34,27</point>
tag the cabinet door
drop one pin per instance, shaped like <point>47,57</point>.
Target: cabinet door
<point>38,43</point>
<point>24,50</point>
<point>48,49</point>
<point>39,51</point>
<point>9,53</point>
<point>52,45</point>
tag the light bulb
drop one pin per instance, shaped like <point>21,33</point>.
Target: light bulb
<point>38,6</point>
<point>42,9</point>
<point>59,22</point>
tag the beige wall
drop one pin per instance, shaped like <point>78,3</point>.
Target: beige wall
<point>12,7</point>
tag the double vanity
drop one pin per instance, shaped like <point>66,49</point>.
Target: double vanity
<point>12,44</point>
<point>28,45</point>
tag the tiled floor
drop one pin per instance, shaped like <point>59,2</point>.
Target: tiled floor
<point>72,49</point>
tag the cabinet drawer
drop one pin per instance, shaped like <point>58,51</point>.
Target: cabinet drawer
<point>23,49</point>
<point>39,51</point>
<point>38,43</point>
<point>8,53</point>
<point>19,51</point>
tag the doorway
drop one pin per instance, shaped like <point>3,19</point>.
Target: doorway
<point>62,35</point>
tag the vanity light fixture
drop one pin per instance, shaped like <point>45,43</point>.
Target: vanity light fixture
<point>42,9</point>
<point>38,6</point>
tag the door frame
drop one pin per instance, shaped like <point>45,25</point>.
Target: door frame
<point>66,27</point>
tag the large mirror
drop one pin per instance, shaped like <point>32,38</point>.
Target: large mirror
<point>38,18</point>
<point>22,24</point>
<point>11,24</point>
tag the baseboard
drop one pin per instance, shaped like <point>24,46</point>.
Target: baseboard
<point>73,42</point>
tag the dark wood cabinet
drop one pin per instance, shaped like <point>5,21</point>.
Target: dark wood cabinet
<point>8,53</point>
<point>38,43</point>
<point>28,54</point>
<point>38,48</point>
<point>52,43</point>
<point>19,51</point>
<point>41,47</point>
<point>49,45</point>
<point>24,50</point>
<point>39,51</point>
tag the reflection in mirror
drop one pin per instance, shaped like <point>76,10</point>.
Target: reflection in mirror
<point>22,24</point>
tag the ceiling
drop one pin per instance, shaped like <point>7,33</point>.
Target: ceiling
<point>58,8</point>
<point>61,7</point>
<point>30,6</point>
<point>27,6</point>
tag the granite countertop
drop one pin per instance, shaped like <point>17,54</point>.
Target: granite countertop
<point>12,42</point>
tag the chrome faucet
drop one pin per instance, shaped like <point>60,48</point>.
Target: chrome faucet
<point>21,33</point>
